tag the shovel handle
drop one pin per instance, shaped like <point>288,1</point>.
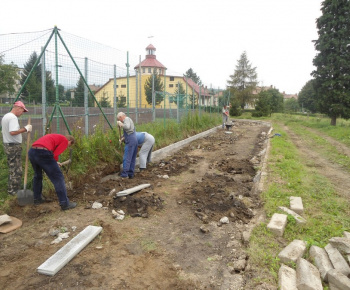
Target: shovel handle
<point>26,165</point>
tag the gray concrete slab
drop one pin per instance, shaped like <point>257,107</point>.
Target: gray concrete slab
<point>295,250</point>
<point>337,260</point>
<point>296,204</point>
<point>321,260</point>
<point>338,279</point>
<point>341,243</point>
<point>299,219</point>
<point>308,277</point>
<point>57,261</point>
<point>287,278</point>
<point>277,224</point>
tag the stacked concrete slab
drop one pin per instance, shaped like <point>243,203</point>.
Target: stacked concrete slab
<point>327,264</point>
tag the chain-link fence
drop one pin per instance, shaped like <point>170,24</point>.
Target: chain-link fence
<point>68,82</point>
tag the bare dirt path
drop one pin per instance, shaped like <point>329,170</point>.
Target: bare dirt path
<point>171,237</point>
<point>334,172</point>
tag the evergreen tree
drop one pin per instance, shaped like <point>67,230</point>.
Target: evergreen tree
<point>193,76</point>
<point>332,74</point>
<point>181,94</point>
<point>158,87</point>
<point>33,89</point>
<point>78,100</point>
<point>244,81</point>
<point>104,102</point>
<point>276,101</point>
<point>307,97</point>
<point>235,109</point>
<point>8,77</point>
<point>262,105</point>
<point>121,101</point>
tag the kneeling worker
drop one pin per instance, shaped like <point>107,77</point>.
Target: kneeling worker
<point>44,157</point>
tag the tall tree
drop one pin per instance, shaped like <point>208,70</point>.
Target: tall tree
<point>244,81</point>
<point>291,105</point>
<point>33,89</point>
<point>307,97</point>
<point>193,76</point>
<point>158,87</point>
<point>8,77</point>
<point>332,62</point>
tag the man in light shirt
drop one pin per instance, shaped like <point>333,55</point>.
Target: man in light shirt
<point>12,140</point>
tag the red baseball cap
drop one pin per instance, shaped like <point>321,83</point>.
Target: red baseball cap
<point>20,104</point>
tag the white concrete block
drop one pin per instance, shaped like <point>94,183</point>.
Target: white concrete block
<point>292,252</point>
<point>321,260</point>
<point>296,204</point>
<point>342,244</point>
<point>57,261</point>
<point>308,277</point>
<point>338,280</point>
<point>287,278</point>
<point>337,260</point>
<point>277,224</point>
<point>299,219</point>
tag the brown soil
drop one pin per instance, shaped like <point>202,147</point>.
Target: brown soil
<point>171,237</point>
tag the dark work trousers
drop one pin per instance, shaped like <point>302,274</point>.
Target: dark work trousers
<point>42,160</point>
<point>130,158</point>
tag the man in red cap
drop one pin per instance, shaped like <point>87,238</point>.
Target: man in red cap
<point>12,140</point>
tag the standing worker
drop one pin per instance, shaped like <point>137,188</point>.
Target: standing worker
<point>146,142</point>
<point>44,157</point>
<point>12,139</point>
<point>225,113</point>
<point>131,142</point>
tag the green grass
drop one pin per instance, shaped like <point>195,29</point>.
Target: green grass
<point>290,174</point>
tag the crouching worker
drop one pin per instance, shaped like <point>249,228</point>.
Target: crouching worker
<point>44,157</point>
<point>145,141</point>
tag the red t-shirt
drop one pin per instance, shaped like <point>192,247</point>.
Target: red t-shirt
<point>56,143</point>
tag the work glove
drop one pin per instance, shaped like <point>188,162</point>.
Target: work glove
<point>28,128</point>
<point>120,124</point>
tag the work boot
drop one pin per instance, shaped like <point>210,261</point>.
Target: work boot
<point>70,205</point>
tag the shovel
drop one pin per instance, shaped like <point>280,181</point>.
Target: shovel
<point>25,196</point>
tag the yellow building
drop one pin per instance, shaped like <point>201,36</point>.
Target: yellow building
<point>137,98</point>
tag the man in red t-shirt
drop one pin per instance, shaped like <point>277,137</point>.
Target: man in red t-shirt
<point>44,157</point>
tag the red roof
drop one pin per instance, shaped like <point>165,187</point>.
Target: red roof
<point>204,91</point>
<point>150,47</point>
<point>151,61</point>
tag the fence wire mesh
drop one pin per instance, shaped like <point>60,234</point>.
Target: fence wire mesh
<point>57,95</point>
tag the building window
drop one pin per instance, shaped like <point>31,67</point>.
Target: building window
<point>123,86</point>
<point>149,70</point>
<point>116,86</point>
<point>143,70</point>
<point>171,85</point>
<point>171,79</point>
<point>176,85</point>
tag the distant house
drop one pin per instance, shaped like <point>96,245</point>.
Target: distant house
<point>134,85</point>
<point>289,96</point>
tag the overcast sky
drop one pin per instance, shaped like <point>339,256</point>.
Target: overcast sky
<point>208,36</point>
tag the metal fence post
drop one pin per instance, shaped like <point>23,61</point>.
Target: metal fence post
<point>115,95</point>
<point>86,101</point>
<point>43,90</point>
